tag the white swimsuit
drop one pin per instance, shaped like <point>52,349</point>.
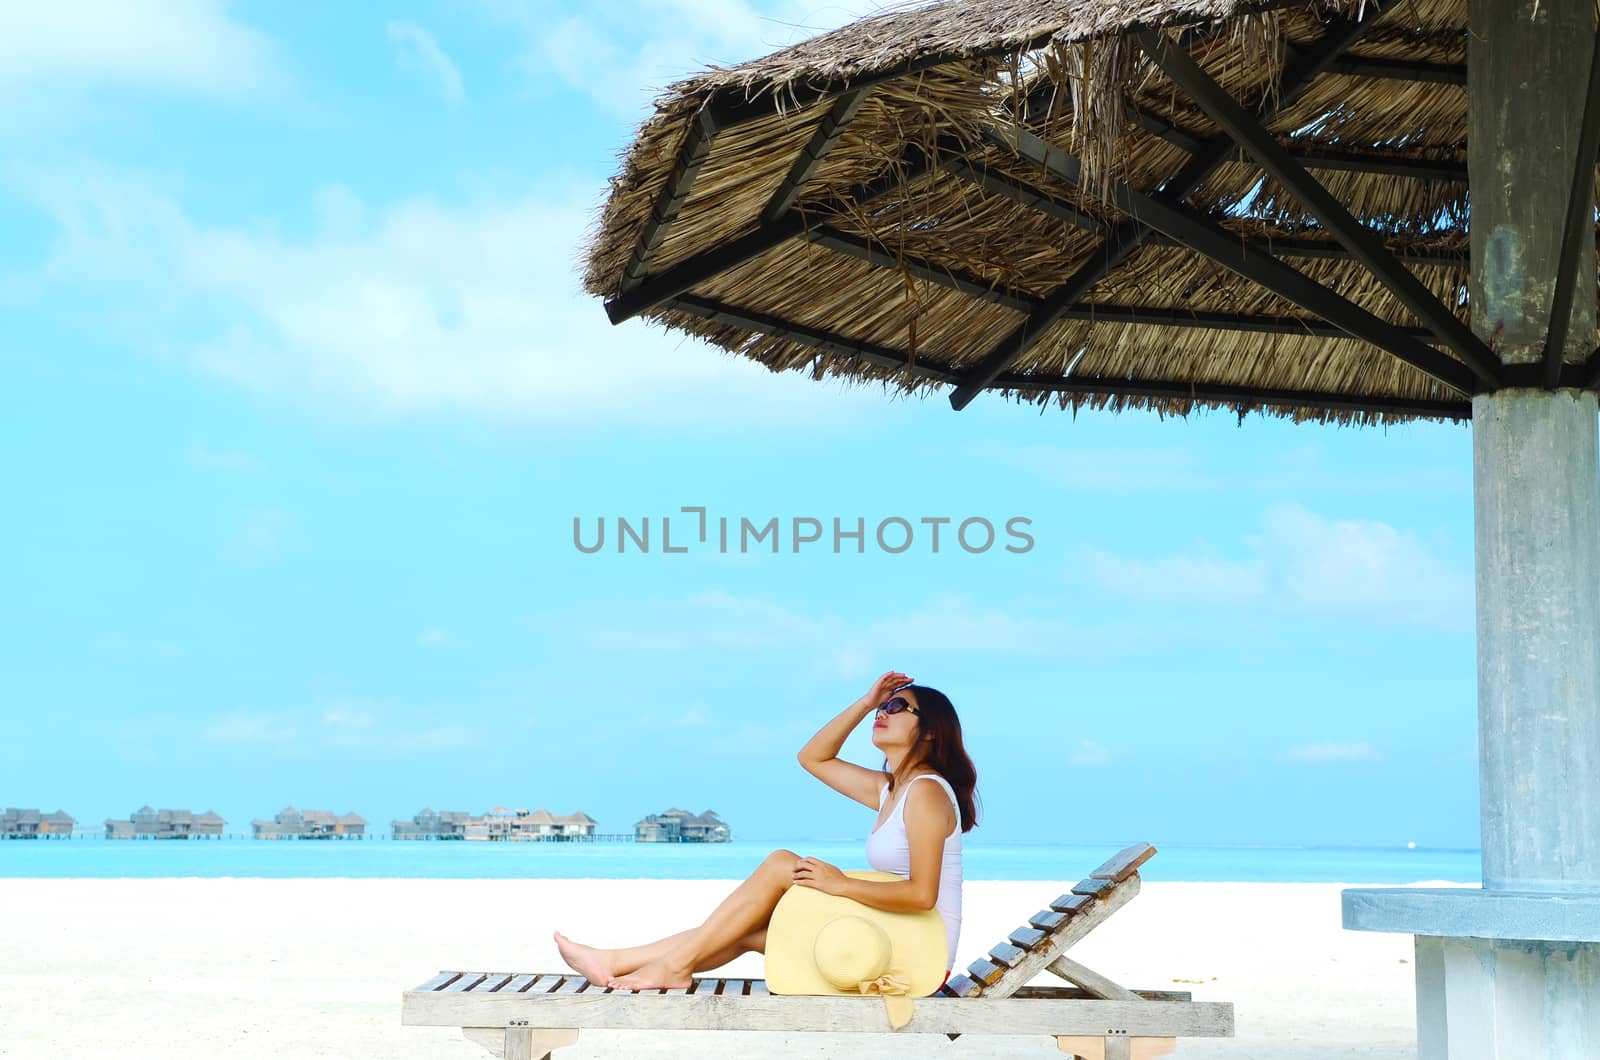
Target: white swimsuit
<point>889,851</point>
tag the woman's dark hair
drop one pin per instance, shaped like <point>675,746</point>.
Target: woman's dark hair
<point>946,754</point>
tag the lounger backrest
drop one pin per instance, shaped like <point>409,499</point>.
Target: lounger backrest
<point>1041,943</point>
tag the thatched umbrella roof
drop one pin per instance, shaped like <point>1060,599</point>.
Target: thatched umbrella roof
<point>1041,198</point>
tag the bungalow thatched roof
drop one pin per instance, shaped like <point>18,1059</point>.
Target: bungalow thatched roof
<point>976,212</point>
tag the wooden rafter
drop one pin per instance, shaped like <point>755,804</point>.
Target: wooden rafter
<point>1363,244</point>
<point>1321,158</point>
<point>1206,237</point>
<point>829,129</point>
<point>708,264</point>
<point>1577,239</point>
<point>1244,397</point>
<point>692,154</point>
<point>1297,77</point>
<point>875,253</point>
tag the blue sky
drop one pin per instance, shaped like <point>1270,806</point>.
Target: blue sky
<point>302,400</point>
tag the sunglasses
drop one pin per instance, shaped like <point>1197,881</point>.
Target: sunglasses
<point>896,705</point>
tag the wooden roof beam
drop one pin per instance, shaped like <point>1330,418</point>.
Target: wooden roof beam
<point>1206,237</point>
<point>692,154</point>
<point>1125,237</point>
<point>871,251</point>
<point>1577,240</point>
<point>1175,389</point>
<point>829,130</point>
<point>1035,198</point>
<point>711,263</point>
<point>815,338</point>
<point>1362,243</point>
<point>1181,390</point>
<point>1398,69</point>
<point>1347,161</point>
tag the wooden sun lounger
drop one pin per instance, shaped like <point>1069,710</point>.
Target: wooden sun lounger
<point>525,1017</point>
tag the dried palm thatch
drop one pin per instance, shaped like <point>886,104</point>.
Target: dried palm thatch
<point>1021,196</point>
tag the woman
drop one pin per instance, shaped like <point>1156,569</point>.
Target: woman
<point>917,836</point>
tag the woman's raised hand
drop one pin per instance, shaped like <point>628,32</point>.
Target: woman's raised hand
<point>883,686</point>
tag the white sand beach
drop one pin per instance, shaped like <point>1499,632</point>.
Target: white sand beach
<point>254,969</point>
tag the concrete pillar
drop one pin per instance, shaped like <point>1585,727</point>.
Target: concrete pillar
<point>1496,999</point>
<point>1536,475</point>
<point>1513,970</point>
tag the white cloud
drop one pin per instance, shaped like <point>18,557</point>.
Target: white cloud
<point>188,46</point>
<point>433,638</point>
<point>1090,755</point>
<point>692,718</point>
<point>1333,752</point>
<point>838,647</point>
<point>346,717</point>
<point>418,308</point>
<point>647,45</point>
<point>417,52</point>
<point>262,534</point>
<point>1112,470</point>
<point>247,727</point>
<point>340,727</point>
<point>1310,565</point>
<point>233,461</point>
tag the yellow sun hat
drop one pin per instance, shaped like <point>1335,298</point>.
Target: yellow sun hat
<point>824,944</point>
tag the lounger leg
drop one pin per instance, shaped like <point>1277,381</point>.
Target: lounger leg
<point>1115,1047</point>
<point>520,1043</point>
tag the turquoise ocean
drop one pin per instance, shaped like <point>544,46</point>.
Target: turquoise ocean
<point>380,858</point>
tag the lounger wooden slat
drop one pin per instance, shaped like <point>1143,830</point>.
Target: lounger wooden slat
<point>440,981</point>
<point>526,1016</point>
<point>962,986</point>
<point>1070,904</point>
<point>1124,863</point>
<point>1047,920</point>
<point>985,972</point>
<point>1006,954</point>
<point>1092,888</point>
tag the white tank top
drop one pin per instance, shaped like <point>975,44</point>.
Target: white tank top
<point>889,851</point>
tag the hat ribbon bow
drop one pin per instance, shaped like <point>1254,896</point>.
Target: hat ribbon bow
<point>893,987</point>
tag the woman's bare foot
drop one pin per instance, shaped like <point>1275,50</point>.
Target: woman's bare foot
<point>655,975</point>
<point>594,965</point>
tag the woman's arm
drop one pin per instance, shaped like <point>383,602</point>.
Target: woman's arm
<point>819,756</point>
<point>929,818</point>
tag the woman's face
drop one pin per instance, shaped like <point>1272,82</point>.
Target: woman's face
<point>896,730</point>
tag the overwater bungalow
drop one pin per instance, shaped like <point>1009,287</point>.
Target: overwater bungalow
<point>31,824</point>
<point>146,823</point>
<point>291,823</point>
<point>499,824</point>
<point>681,826</point>
<point>432,824</point>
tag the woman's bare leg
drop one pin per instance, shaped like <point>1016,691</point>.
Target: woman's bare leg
<point>670,961</point>
<point>601,966</point>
